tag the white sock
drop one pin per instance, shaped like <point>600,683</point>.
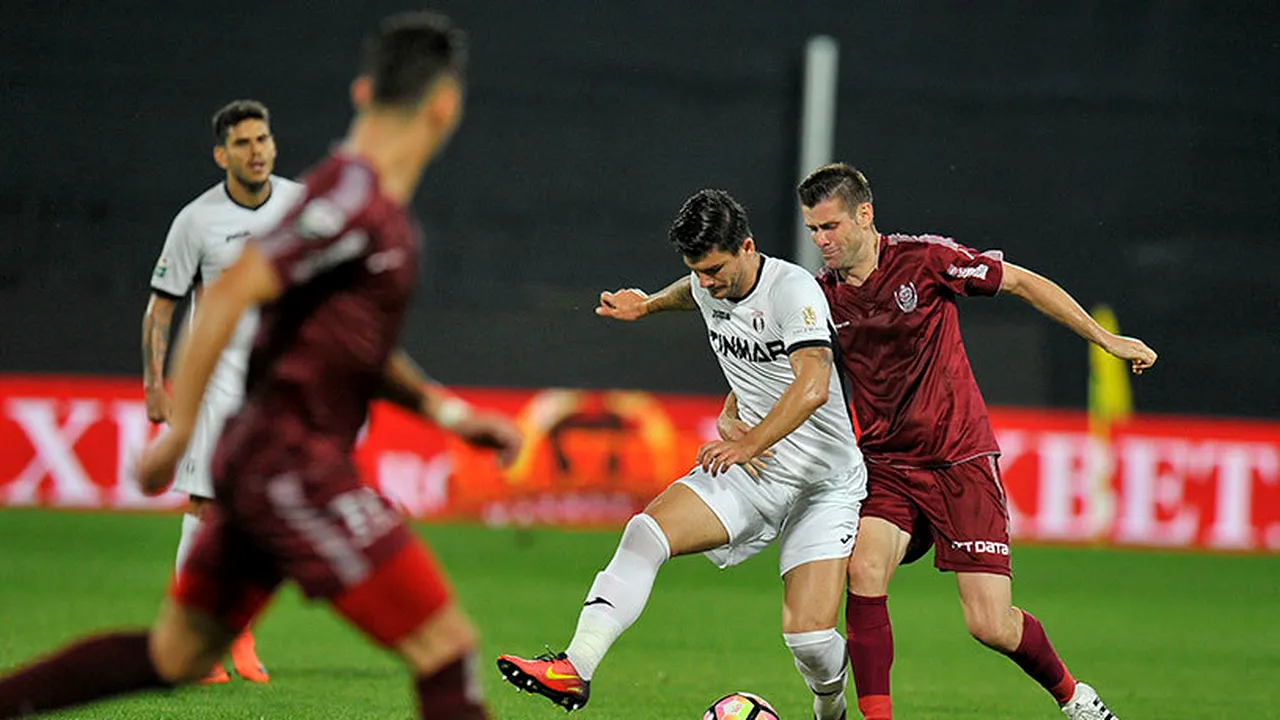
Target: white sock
<point>619,593</point>
<point>820,658</point>
<point>190,526</point>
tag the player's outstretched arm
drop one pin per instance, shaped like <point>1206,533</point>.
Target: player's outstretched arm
<point>807,393</point>
<point>251,280</point>
<point>1050,299</point>
<point>633,303</point>
<point>156,322</point>
<point>405,384</point>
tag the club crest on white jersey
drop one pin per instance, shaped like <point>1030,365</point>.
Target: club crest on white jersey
<point>205,238</point>
<point>753,338</point>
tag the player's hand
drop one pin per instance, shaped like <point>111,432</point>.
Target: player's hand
<point>718,456</point>
<point>158,404</point>
<point>491,430</point>
<point>157,464</point>
<point>1134,351</point>
<point>733,429</point>
<point>628,304</point>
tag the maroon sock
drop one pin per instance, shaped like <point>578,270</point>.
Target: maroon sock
<point>1037,658</point>
<point>452,693</point>
<point>870,643</point>
<point>92,669</point>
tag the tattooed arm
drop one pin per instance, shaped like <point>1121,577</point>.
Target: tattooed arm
<point>633,303</point>
<point>156,322</point>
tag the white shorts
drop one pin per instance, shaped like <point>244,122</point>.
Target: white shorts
<point>812,522</point>
<point>192,476</point>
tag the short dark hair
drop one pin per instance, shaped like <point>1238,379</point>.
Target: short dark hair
<point>410,51</point>
<point>710,220</point>
<point>835,180</point>
<point>234,113</point>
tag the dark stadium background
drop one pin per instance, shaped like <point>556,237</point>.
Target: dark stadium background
<point>1131,151</point>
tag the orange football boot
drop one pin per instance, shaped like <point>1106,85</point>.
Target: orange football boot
<point>244,656</point>
<point>551,676</point>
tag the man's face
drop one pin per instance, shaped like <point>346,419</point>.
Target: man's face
<point>248,154</point>
<point>723,274</point>
<point>836,232</point>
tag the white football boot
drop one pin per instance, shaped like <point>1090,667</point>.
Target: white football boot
<point>1086,705</point>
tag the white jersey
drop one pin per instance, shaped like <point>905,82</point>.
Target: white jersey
<point>753,338</point>
<point>205,238</point>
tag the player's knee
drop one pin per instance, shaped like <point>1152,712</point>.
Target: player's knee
<point>819,654</point>
<point>810,612</point>
<point>444,638</point>
<point>802,621</point>
<point>463,635</point>
<point>869,574</point>
<point>184,644</point>
<point>178,663</point>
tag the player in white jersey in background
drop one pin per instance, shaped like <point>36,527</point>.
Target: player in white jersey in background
<point>796,475</point>
<point>205,238</point>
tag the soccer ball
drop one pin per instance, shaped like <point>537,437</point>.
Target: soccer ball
<point>740,706</point>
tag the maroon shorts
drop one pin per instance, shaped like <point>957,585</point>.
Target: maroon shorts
<point>960,510</point>
<point>318,525</point>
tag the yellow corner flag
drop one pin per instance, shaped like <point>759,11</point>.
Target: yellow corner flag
<point>1110,397</point>
<point>1110,400</point>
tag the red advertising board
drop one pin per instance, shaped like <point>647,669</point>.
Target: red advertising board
<point>596,457</point>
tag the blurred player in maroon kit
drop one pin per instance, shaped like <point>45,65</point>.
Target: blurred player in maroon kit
<point>334,279</point>
<point>930,451</point>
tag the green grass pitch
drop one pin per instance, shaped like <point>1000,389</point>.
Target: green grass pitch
<point>1161,635</point>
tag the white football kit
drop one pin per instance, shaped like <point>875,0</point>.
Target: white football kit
<point>205,238</point>
<point>811,490</point>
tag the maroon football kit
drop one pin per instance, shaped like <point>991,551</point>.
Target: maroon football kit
<point>923,425</point>
<point>289,503</point>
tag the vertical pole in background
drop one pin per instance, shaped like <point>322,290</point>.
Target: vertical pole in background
<point>817,127</point>
<point>1110,402</point>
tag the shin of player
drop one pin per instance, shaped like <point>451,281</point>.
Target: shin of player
<point>791,469</point>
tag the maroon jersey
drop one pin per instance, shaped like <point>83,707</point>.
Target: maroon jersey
<point>912,389</point>
<point>347,258</point>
